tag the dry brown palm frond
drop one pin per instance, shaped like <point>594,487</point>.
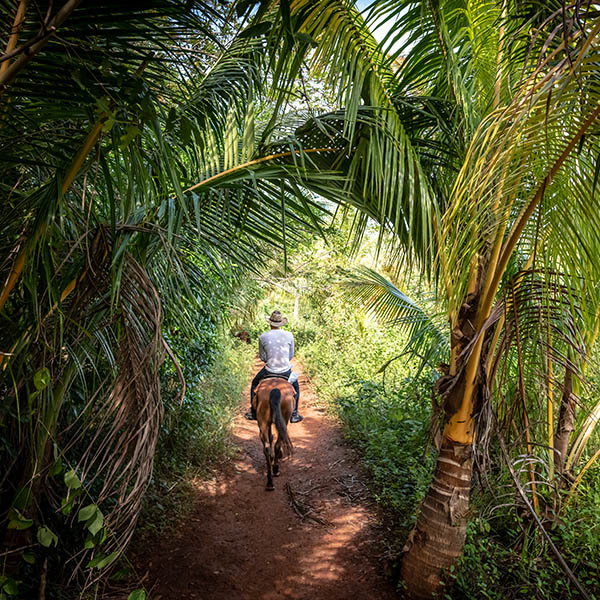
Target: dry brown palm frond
<point>120,428</point>
<point>539,321</point>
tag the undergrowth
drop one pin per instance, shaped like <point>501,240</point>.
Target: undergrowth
<point>196,431</point>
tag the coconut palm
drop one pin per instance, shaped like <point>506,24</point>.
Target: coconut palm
<point>479,158</point>
<point>136,178</point>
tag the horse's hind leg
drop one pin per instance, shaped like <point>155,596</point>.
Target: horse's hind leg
<point>278,455</point>
<point>267,449</point>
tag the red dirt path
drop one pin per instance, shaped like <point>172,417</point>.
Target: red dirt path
<point>242,542</point>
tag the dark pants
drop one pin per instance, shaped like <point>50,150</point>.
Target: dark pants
<point>263,373</point>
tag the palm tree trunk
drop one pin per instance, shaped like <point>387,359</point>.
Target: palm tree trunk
<point>566,422</point>
<point>438,538</point>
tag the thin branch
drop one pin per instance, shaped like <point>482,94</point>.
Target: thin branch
<point>9,75</point>
<point>559,557</point>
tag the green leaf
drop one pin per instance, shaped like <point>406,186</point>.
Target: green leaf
<point>29,557</point>
<point>20,524</point>
<point>95,540</point>
<point>137,595</point>
<point>108,124</point>
<point>71,480</point>
<point>86,512</point>
<point>41,379</point>
<point>121,574</point>
<point>46,537</point>
<point>130,134</point>
<point>57,466</point>
<point>18,520</point>
<point>93,517</point>
<point>101,536</point>
<point>66,505</point>
<point>94,524</point>
<point>11,587</point>
<point>102,561</point>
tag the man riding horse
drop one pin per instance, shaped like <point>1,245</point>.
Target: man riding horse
<point>276,349</point>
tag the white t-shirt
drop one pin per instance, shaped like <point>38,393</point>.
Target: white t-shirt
<point>276,348</point>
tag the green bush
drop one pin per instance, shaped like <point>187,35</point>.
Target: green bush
<point>195,432</point>
<point>390,427</point>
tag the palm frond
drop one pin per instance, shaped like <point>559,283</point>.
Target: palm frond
<point>428,338</point>
<point>524,154</point>
<point>383,159</point>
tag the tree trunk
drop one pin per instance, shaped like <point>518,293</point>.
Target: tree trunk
<point>566,422</point>
<point>437,540</point>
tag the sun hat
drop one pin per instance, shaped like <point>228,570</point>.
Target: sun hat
<point>276,320</point>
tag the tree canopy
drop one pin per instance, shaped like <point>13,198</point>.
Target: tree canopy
<point>152,152</point>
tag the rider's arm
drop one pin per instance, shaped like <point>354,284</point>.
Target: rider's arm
<point>292,348</point>
<point>262,352</point>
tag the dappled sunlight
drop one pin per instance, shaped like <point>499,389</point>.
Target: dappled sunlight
<point>307,539</point>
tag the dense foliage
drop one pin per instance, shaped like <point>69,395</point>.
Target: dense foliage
<point>195,433</point>
<point>152,154</point>
<point>135,180</point>
<point>388,416</point>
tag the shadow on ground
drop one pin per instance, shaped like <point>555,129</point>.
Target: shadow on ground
<point>242,542</point>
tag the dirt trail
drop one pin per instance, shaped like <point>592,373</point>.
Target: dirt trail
<point>242,542</point>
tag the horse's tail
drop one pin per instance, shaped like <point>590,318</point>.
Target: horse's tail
<point>275,401</point>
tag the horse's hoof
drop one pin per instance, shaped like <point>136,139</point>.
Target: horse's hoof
<point>276,472</point>
<point>270,488</point>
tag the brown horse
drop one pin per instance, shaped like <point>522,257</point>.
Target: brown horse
<point>274,402</point>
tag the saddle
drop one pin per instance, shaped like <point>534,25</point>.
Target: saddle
<point>269,376</point>
<point>274,376</point>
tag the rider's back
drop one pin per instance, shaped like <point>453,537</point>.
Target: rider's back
<point>276,349</point>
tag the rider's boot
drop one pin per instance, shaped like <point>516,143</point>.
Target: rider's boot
<point>251,414</point>
<point>296,417</point>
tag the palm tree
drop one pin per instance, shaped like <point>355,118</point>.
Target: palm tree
<point>478,154</point>
<point>136,170</point>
